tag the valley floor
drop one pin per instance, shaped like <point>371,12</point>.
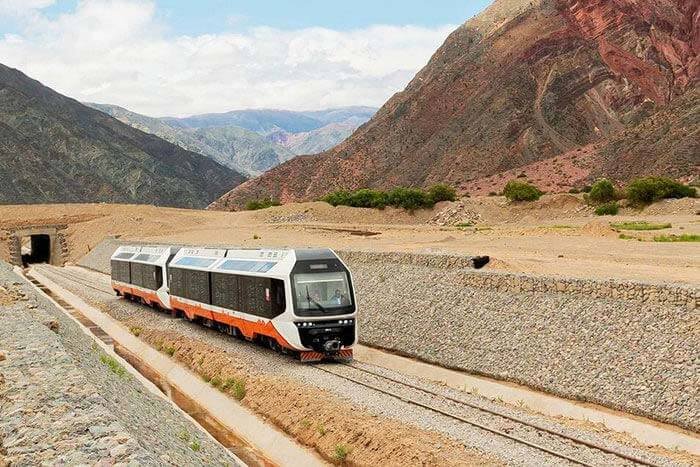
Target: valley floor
<point>558,235</point>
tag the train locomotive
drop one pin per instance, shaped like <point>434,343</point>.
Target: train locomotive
<point>298,301</point>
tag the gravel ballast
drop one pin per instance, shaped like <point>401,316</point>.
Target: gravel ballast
<point>65,402</point>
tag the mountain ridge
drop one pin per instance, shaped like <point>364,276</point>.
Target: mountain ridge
<point>72,153</point>
<point>521,83</point>
<point>257,146</point>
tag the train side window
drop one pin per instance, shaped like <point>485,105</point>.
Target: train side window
<point>158,276</point>
<point>279,303</point>
<point>197,286</point>
<point>120,271</point>
<point>177,282</point>
<point>225,291</point>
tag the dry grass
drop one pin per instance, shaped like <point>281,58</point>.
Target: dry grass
<point>338,431</point>
<point>640,225</point>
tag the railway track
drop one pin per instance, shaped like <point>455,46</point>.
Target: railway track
<point>447,406</point>
<point>69,276</point>
<point>538,430</point>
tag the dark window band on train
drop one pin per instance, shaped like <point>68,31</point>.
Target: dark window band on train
<point>257,296</point>
<point>146,275</point>
<point>121,271</point>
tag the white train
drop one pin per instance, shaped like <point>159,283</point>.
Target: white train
<point>299,301</point>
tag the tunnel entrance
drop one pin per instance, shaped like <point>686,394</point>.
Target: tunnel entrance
<point>36,244</point>
<point>36,249</point>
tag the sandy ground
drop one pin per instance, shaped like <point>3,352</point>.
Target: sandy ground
<point>558,235</point>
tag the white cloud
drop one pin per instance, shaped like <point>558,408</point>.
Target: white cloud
<point>22,7</point>
<point>117,51</point>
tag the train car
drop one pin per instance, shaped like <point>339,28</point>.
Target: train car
<point>300,301</point>
<point>140,272</point>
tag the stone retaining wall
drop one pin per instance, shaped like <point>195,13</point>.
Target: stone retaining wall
<point>627,345</point>
<point>568,337</point>
<point>645,292</point>
<point>62,403</point>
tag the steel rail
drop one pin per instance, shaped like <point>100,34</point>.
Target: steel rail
<point>432,408</point>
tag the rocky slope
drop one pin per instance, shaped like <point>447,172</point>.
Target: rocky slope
<point>525,82</point>
<point>251,141</point>
<point>234,147</point>
<point>54,149</point>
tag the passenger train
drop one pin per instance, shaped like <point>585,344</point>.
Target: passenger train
<point>299,301</point>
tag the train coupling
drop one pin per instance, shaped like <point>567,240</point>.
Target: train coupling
<point>332,345</point>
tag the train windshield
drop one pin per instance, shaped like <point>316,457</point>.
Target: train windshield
<point>322,292</point>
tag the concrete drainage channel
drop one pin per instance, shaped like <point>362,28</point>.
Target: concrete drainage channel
<point>249,439</point>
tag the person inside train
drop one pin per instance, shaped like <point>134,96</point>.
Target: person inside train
<point>337,298</point>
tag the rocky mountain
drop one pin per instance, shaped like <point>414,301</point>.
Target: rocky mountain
<point>54,149</point>
<point>560,90</point>
<point>268,120</point>
<point>234,147</point>
<point>251,141</point>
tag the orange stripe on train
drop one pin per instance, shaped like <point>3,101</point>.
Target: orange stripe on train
<point>249,329</point>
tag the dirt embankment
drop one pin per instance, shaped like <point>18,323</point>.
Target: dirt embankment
<point>547,237</point>
<point>338,431</point>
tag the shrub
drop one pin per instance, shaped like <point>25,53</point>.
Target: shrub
<point>639,225</point>
<point>586,189</point>
<point>136,331</point>
<point>367,198</point>
<point>216,382</point>
<point>442,192</point>
<point>643,191</point>
<point>410,199</point>
<point>113,365</point>
<point>608,209</point>
<point>235,387</point>
<point>521,191</point>
<point>406,198</point>
<point>341,452</point>
<point>678,238</point>
<point>337,198</point>
<point>258,204</point>
<point>196,445</point>
<point>602,192</point>
<point>170,350</point>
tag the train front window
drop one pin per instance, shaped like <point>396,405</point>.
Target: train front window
<point>322,292</point>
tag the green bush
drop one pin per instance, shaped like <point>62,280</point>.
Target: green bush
<point>367,198</point>
<point>258,204</point>
<point>113,366</point>
<point>608,209</point>
<point>678,238</point>
<point>521,191</point>
<point>406,198</point>
<point>442,192</point>
<point>643,191</point>
<point>341,452</point>
<point>337,198</point>
<point>602,192</point>
<point>410,198</point>
<point>235,387</point>
<point>640,225</point>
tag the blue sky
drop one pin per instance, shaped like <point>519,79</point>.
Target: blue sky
<point>194,17</point>
<point>182,57</point>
